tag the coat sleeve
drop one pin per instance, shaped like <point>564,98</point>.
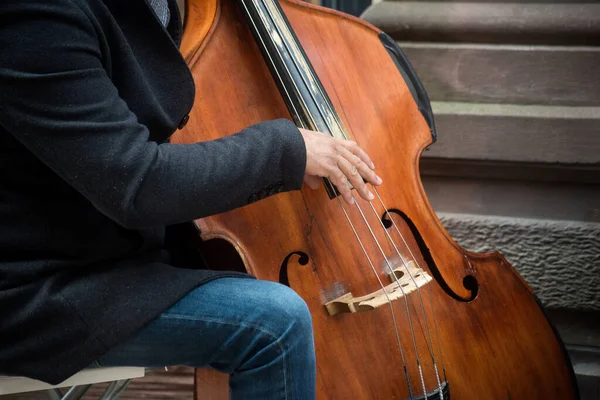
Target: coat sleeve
<point>58,101</point>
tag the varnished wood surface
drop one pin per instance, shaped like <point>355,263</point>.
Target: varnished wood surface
<point>199,17</point>
<point>211,385</point>
<point>497,346</point>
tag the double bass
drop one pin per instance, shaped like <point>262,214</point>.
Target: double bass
<point>400,310</point>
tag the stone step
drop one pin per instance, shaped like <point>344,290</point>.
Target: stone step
<point>512,74</point>
<point>589,387</point>
<point>501,170</point>
<point>586,364</point>
<point>478,1</point>
<point>489,22</point>
<point>514,198</point>
<point>513,133</point>
<point>581,331</point>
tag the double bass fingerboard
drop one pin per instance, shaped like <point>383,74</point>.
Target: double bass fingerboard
<point>296,79</point>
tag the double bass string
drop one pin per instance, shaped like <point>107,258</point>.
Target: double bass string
<point>412,332</point>
<point>287,45</point>
<point>386,295</point>
<point>429,341</point>
<point>385,292</point>
<point>422,271</point>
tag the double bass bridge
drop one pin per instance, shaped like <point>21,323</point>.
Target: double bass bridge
<point>405,279</point>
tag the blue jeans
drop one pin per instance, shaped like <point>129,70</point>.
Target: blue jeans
<point>259,332</point>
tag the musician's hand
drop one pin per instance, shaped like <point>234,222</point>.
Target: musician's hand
<point>343,162</point>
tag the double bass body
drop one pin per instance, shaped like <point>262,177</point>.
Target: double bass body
<point>448,321</point>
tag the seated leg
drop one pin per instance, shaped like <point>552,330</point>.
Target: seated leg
<point>259,332</point>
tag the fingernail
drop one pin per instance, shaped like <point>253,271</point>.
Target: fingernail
<point>371,197</point>
<point>372,165</point>
<point>379,181</point>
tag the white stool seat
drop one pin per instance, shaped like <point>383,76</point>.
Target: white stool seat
<point>10,384</point>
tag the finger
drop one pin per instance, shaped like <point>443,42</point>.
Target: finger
<point>363,169</point>
<point>312,181</point>
<point>355,149</point>
<point>352,174</point>
<point>342,184</point>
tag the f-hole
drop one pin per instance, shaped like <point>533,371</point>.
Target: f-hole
<point>283,271</point>
<point>469,282</point>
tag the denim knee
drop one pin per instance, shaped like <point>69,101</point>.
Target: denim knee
<point>289,311</point>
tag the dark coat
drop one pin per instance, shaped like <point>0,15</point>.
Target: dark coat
<point>90,91</point>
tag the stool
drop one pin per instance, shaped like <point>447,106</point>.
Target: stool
<point>78,383</point>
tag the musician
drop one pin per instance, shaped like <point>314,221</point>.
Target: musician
<point>90,91</point>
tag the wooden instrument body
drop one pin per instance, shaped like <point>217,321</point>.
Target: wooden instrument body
<point>498,345</point>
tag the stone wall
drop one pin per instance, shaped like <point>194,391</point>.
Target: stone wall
<point>559,259</point>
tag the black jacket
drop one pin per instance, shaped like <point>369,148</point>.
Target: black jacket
<point>90,91</point>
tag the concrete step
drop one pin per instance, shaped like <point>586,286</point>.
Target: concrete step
<point>516,133</point>
<point>586,364</point>
<point>507,74</point>
<point>515,198</point>
<point>488,22</point>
